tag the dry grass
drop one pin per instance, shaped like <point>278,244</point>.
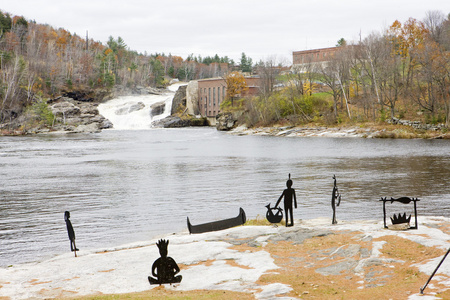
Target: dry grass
<point>262,221</point>
<point>397,281</point>
<point>162,293</point>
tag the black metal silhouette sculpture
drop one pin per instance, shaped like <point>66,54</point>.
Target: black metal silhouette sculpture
<point>218,225</point>
<point>289,196</point>
<point>335,195</point>
<point>164,268</point>
<point>434,272</point>
<point>401,219</point>
<point>71,232</point>
<point>274,217</point>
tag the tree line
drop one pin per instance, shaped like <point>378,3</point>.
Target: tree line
<point>38,61</point>
<point>402,72</point>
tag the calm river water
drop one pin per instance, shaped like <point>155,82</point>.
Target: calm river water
<point>131,185</point>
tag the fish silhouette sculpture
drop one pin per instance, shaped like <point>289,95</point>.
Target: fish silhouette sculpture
<point>274,217</point>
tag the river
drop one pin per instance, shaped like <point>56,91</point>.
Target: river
<point>132,185</point>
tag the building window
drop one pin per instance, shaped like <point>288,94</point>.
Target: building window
<point>218,95</point>
<point>209,95</point>
<point>214,96</point>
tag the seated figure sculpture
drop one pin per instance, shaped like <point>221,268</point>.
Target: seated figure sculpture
<point>164,268</point>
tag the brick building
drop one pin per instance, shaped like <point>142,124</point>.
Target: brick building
<point>303,59</point>
<point>212,92</point>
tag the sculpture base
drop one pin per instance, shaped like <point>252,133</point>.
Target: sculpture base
<point>403,226</point>
<point>176,279</point>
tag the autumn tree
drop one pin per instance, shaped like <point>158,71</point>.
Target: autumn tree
<point>236,85</point>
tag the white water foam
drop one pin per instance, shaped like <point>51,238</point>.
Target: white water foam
<point>134,112</point>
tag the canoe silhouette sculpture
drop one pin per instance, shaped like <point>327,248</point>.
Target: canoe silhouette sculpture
<point>217,225</point>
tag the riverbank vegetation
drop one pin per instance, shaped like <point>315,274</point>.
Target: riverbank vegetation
<point>401,73</point>
<point>39,62</point>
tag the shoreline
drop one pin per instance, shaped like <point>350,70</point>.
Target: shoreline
<point>355,131</point>
<point>353,259</point>
<point>400,129</point>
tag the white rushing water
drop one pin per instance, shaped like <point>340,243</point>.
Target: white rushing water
<point>135,112</point>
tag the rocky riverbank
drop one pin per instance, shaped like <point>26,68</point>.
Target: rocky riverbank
<point>74,112</point>
<point>313,259</point>
<point>368,131</point>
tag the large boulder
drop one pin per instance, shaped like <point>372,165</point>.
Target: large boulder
<point>171,122</point>
<point>192,98</point>
<point>90,128</point>
<point>129,109</point>
<point>157,108</point>
<point>179,100</point>
<point>226,121</point>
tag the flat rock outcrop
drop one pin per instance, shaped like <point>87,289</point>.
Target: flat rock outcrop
<point>75,116</point>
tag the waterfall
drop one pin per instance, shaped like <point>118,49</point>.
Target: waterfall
<point>138,112</point>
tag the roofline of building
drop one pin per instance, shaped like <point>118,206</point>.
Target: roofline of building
<point>314,50</point>
<point>220,78</point>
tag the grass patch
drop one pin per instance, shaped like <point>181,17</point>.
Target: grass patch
<point>262,221</point>
<point>161,292</point>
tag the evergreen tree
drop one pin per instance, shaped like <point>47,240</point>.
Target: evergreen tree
<point>246,63</point>
<point>5,23</point>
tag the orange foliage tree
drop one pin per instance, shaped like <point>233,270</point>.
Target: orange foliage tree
<point>236,85</point>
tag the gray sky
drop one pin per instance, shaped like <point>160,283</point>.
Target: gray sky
<point>260,28</point>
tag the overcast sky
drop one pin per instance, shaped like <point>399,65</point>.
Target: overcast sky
<point>261,28</point>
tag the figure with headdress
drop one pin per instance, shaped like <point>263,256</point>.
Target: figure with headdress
<point>71,232</point>
<point>289,197</point>
<point>164,268</point>
<point>335,196</point>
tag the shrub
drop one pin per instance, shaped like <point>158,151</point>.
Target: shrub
<point>39,111</point>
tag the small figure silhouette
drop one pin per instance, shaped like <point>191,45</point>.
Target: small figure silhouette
<point>70,232</point>
<point>164,268</point>
<point>335,195</point>
<point>288,194</point>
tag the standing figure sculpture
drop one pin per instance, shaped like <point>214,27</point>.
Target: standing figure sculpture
<point>70,232</point>
<point>335,195</point>
<point>164,268</point>
<point>289,195</point>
